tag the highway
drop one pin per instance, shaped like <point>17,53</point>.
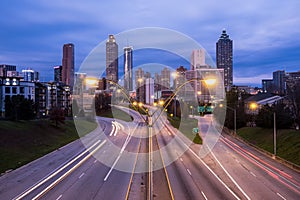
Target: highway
<point>113,162</point>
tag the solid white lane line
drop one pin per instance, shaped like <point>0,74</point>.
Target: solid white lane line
<point>59,197</point>
<point>231,178</point>
<point>216,176</point>
<point>280,196</point>
<point>54,173</point>
<point>204,195</point>
<point>113,129</point>
<point>112,167</point>
<point>252,174</point>
<point>81,175</point>
<point>39,195</point>
<point>119,156</point>
<point>189,172</point>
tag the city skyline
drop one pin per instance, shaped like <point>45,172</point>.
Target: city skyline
<point>259,49</point>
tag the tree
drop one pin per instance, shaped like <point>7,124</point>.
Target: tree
<point>293,91</point>
<point>102,102</point>
<point>57,115</point>
<point>265,116</point>
<point>75,107</point>
<point>18,107</point>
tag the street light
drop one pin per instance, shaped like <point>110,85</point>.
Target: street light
<point>254,106</point>
<point>211,81</point>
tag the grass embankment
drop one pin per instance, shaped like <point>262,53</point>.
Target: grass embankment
<point>288,141</point>
<point>186,126</point>
<point>117,114</point>
<point>25,141</point>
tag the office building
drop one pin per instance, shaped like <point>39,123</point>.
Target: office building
<point>165,79</point>
<point>58,73</point>
<point>279,82</point>
<point>30,75</point>
<point>224,58</point>
<point>267,85</point>
<point>5,68</point>
<point>149,91</point>
<point>102,84</point>
<point>128,68</point>
<point>68,64</point>
<point>139,84</point>
<point>112,60</point>
<point>198,59</point>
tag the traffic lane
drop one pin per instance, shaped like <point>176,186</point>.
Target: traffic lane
<point>90,177</point>
<point>269,162</point>
<point>180,181</point>
<point>19,180</point>
<point>261,183</point>
<point>197,172</point>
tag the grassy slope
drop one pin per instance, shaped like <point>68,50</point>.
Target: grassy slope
<point>186,127</point>
<point>24,141</point>
<point>117,113</point>
<point>288,141</point>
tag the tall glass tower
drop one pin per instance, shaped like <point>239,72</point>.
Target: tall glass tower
<point>112,59</point>
<point>128,68</point>
<point>224,58</point>
<point>68,64</point>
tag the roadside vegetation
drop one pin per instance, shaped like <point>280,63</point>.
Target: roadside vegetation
<point>24,141</point>
<point>288,141</point>
<point>186,126</point>
<point>117,114</point>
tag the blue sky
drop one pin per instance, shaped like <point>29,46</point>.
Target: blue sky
<point>265,33</point>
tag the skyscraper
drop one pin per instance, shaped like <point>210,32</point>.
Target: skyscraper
<point>224,58</point>
<point>112,59</point>
<point>198,59</point>
<point>68,64</point>
<point>58,73</point>
<point>139,84</point>
<point>279,82</point>
<point>128,68</point>
<point>165,79</point>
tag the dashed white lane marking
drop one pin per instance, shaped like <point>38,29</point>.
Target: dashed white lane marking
<point>252,174</point>
<point>181,160</point>
<point>81,175</point>
<point>280,196</point>
<point>59,197</point>
<point>237,160</point>
<point>95,161</point>
<point>204,195</point>
<point>189,172</point>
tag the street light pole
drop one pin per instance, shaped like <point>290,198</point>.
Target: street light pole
<point>254,106</point>
<point>175,107</point>
<point>275,135</point>
<point>234,111</point>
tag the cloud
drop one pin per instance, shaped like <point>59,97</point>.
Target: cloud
<point>261,30</point>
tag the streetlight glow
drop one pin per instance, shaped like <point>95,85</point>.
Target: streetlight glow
<point>161,102</point>
<point>210,81</point>
<point>253,106</point>
<point>91,81</point>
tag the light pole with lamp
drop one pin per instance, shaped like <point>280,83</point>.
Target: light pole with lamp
<point>254,106</point>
